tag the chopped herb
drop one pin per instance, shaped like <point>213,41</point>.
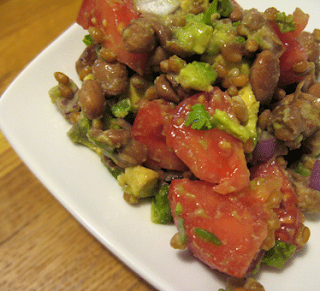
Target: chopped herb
<point>207,236</point>
<point>88,40</point>
<point>122,108</point>
<point>221,7</point>
<point>241,39</point>
<point>279,254</point>
<point>302,170</point>
<point>236,23</point>
<point>200,119</point>
<point>285,23</point>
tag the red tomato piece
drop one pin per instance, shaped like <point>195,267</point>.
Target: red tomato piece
<point>238,222</point>
<point>290,216</point>
<point>294,52</point>
<point>148,129</point>
<point>112,16</point>
<point>212,155</point>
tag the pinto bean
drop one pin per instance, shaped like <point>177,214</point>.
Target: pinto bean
<point>165,90</point>
<point>91,99</point>
<point>264,76</point>
<point>254,25</point>
<point>112,76</point>
<point>139,36</point>
<point>308,42</point>
<point>233,52</point>
<point>87,58</point>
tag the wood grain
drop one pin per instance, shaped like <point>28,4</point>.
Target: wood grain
<point>42,247</point>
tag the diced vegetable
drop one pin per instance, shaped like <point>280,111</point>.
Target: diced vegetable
<point>139,182</point>
<point>223,231</point>
<point>212,155</point>
<point>289,214</point>
<point>148,128</point>
<point>279,254</point>
<point>117,15</point>
<point>314,180</point>
<point>160,206</point>
<point>197,75</point>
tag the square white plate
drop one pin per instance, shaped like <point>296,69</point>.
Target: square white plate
<point>77,178</point>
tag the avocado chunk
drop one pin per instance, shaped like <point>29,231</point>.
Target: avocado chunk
<point>139,182</point>
<point>223,33</point>
<point>198,76</point>
<point>194,36</point>
<point>252,105</point>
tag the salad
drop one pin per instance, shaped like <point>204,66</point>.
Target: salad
<point>211,112</point>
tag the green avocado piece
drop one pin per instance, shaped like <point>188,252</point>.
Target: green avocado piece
<point>198,76</point>
<point>138,181</point>
<point>195,35</point>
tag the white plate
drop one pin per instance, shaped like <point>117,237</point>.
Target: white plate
<point>77,178</point>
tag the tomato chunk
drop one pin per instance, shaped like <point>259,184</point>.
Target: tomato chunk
<point>294,52</point>
<point>112,17</point>
<point>212,155</point>
<point>290,216</point>
<point>237,223</point>
<point>148,128</point>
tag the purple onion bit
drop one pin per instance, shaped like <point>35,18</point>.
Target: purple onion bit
<point>314,179</point>
<point>264,150</point>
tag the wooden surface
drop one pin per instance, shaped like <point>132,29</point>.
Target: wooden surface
<point>42,247</point>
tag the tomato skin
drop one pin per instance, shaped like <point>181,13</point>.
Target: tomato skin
<point>290,216</point>
<point>238,221</point>
<point>212,155</point>
<point>294,52</point>
<point>148,128</point>
<point>112,17</point>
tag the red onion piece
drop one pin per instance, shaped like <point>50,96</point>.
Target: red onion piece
<point>264,150</point>
<point>314,179</point>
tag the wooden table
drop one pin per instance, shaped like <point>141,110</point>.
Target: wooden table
<point>42,247</point>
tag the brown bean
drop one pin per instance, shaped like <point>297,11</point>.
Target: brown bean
<point>233,52</point>
<point>112,76</point>
<point>165,90</point>
<point>91,99</point>
<point>236,14</point>
<point>264,76</point>
<point>139,36</point>
<point>308,42</point>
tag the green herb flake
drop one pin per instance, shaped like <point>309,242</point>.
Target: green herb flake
<point>285,23</point>
<point>207,236</point>
<point>302,170</point>
<point>241,39</point>
<point>122,108</point>
<point>88,40</point>
<point>199,118</point>
<point>221,7</point>
<point>279,254</point>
